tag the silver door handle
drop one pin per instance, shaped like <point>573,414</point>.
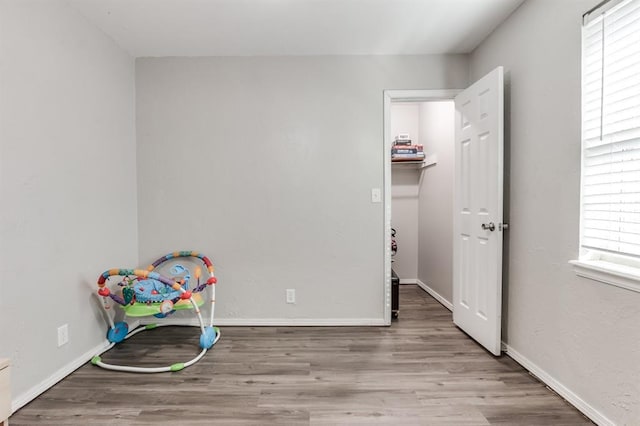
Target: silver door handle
<point>489,226</point>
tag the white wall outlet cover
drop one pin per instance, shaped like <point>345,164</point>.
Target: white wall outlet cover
<point>63,334</point>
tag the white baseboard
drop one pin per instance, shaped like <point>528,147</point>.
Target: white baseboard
<point>275,322</point>
<point>28,396</point>
<point>558,387</point>
<point>408,280</point>
<point>444,302</point>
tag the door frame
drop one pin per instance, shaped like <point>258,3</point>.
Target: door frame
<point>389,96</point>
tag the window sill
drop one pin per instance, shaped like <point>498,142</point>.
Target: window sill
<point>623,276</point>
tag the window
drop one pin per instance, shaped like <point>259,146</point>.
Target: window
<point>610,195</point>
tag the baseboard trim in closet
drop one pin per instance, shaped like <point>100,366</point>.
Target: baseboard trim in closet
<point>444,302</point>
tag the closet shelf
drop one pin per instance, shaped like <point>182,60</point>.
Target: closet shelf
<point>429,160</point>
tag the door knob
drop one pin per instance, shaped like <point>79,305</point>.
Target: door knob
<point>489,226</point>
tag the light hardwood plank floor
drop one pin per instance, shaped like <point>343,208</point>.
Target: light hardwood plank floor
<point>420,371</point>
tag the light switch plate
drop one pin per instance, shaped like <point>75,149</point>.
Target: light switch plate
<point>376,195</point>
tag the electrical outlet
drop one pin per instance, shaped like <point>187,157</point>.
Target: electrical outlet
<point>291,295</point>
<point>63,335</point>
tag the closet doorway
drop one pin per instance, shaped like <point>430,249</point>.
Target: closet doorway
<point>418,194</point>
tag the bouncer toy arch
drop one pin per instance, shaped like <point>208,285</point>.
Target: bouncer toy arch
<point>144,292</point>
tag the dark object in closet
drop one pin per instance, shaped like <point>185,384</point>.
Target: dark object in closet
<point>394,245</point>
<point>395,288</point>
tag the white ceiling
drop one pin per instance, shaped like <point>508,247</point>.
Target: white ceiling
<point>295,27</point>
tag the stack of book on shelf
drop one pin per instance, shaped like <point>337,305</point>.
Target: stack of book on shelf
<point>404,150</point>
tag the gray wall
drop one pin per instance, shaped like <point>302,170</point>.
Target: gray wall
<point>67,173</point>
<point>404,117</point>
<point>582,333</point>
<point>404,219</point>
<point>423,198</point>
<point>435,234</point>
<point>266,164</point>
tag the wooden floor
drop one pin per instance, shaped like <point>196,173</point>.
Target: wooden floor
<point>420,371</point>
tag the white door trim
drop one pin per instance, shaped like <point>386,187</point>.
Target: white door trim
<point>398,96</point>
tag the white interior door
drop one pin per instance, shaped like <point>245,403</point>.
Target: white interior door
<point>478,198</point>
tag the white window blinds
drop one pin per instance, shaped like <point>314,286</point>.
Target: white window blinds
<point>610,220</point>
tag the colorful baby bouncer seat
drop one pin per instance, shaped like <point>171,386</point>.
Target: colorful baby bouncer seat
<point>145,292</point>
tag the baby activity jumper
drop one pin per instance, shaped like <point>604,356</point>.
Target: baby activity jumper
<point>145,292</point>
